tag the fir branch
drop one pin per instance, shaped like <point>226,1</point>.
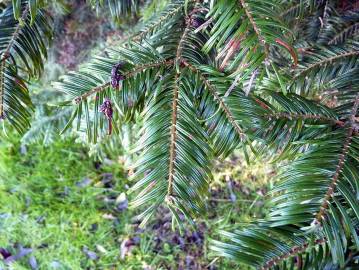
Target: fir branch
<point>285,12</point>
<point>298,116</point>
<point>127,75</point>
<point>188,22</point>
<point>173,138</point>
<point>180,43</point>
<point>91,92</point>
<point>354,27</point>
<point>325,61</point>
<point>222,104</point>
<point>293,251</point>
<point>147,66</point>
<point>5,56</point>
<point>15,35</point>
<point>138,37</point>
<point>325,204</point>
<point>175,108</point>
<point>261,39</point>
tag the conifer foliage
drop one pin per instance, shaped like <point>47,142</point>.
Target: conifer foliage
<point>25,33</point>
<point>118,9</point>
<point>276,78</point>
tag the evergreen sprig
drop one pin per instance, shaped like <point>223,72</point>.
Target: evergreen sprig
<point>275,78</point>
<point>208,79</point>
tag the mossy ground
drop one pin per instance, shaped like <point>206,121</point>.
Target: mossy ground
<point>63,205</point>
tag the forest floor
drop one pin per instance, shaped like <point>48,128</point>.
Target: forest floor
<point>62,210</point>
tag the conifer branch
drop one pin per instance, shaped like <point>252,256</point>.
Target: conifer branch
<point>15,35</point>
<point>251,19</point>
<point>325,61</point>
<point>174,111</point>
<point>342,157</point>
<point>188,22</point>
<point>141,35</point>
<point>147,66</point>
<point>298,116</point>
<point>354,26</point>
<point>173,138</point>
<point>189,117</point>
<point>293,251</point>
<point>285,12</point>
<point>261,39</point>
<point>5,55</point>
<point>91,92</point>
<point>180,44</point>
<point>222,104</point>
<point>127,75</point>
